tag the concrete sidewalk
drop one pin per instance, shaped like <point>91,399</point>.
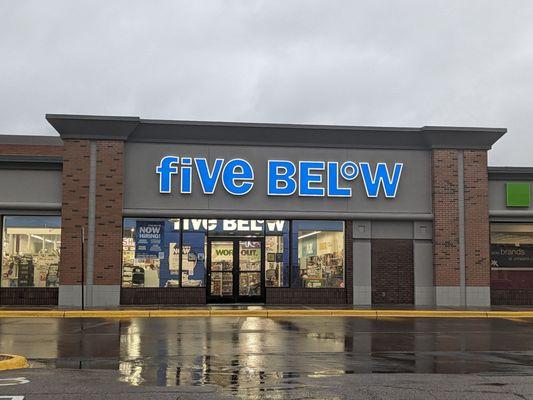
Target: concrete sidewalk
<point>266,312</point>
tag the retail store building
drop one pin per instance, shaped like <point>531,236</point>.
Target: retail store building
<point>123,211</point>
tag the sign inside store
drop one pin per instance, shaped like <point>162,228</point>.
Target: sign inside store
<point>284,178</point>
<point>232,225</point>
<point>511,256</point>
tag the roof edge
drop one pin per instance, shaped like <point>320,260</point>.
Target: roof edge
<point>135,129</point>
<point>511,173</point>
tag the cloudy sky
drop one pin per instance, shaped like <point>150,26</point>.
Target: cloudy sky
<point>374,62</point>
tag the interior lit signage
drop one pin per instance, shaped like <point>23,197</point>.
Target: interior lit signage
<point>231,225</point>
<point>284,178</point>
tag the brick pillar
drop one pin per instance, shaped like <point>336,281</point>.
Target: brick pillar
<point>446,226</point>
<point>103,287</point>
<point>74,217</point>
<point>108,219</point>
<point>461,227</point>
<point>477,236</point>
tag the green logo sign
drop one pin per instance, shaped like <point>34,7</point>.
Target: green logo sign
<point>518,194</point>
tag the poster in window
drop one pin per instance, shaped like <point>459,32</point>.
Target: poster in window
<point>149,239</point>
<point>309,247</point>
<point>174,258</point>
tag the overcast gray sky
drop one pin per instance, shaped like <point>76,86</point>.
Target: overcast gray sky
<point>375,62</point>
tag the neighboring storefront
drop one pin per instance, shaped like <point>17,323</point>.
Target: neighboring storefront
<point>127,211</point>
<point>511,234</point>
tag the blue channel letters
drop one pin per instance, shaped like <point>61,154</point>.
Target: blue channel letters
<point>284,178</point>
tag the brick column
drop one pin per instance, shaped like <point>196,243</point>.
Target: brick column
<point>446,253</point>
<point>477,236</point>
<point>461,227</point>
<point>74,217</point>
<point>108,219</point>
<point>103,287</point>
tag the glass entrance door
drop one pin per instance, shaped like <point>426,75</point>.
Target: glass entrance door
<point>235,270</point>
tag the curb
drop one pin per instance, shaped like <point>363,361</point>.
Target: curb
<point>13,362</point>
<point>374,314</point>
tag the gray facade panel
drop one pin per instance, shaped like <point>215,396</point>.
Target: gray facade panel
<point>30,186</point>
<point>423,265</point>
<point>497,197</point>
<point>392,230</point>
<point>141,189</point>
<point>362,272</point>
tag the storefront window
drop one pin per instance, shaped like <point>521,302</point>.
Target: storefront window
<point>194,251</point>
<point>150,253</point>
<point>318,254</point>
<point>511,245</point>
<point>277,253</point>
<point>30,251</point>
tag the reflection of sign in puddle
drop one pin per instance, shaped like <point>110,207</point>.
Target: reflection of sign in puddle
<point>330,372</point>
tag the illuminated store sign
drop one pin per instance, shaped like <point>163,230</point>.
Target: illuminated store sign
<point>232,225</point>
<point>284,178</point>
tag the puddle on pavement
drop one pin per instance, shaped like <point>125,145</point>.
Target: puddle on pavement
<point>259,355</point>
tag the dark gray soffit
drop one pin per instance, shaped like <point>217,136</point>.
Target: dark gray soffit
<point>262,134</point>
<point>31,162</point>
<point>511,173</point>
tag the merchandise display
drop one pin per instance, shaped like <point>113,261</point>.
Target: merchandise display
<point>321,258</point>
<point>30,252</point>
<point>138,272</point>
<point>274,261</point>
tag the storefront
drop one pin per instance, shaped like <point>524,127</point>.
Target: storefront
<point>124,211</point>
<point>236,260</point>
<point>511,235</point>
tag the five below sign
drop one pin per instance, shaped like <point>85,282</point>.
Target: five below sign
<point>284,178</point>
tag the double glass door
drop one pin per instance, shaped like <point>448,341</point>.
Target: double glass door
<point>235,270</point>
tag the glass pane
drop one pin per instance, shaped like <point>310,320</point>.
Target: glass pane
<point>222,284</point>
<point>193,258</point>
<point>30,251</point>
<point>276,261</point>
<point>511,246</point>
<point>250,284</point>
<point>250,255</point>
<point>150,252</point>
<point>513,234</point>
<point>221,256</point>
<point>320,254</point>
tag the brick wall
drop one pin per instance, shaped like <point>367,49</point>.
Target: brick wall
<point>75,203</point>
<point>30,150</point>
<point>108,222</point>
<point>138,296</point>
<point>392,271</point>
<point>477,235</point>
<point>445,217</point>
<point>305,296</point>
<point>28,296</point>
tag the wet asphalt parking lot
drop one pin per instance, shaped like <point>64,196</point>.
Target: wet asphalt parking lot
<point>271,358</point>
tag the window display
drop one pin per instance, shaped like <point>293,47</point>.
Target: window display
<point>150,253</point>
<point>193,257</point>
<point>173,252</point>
<point>511,245</point>
<point>319,248</point>
<point>30,251</point>
<point>277,253</point>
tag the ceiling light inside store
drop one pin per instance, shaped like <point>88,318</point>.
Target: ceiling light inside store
<point>309,234</point>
